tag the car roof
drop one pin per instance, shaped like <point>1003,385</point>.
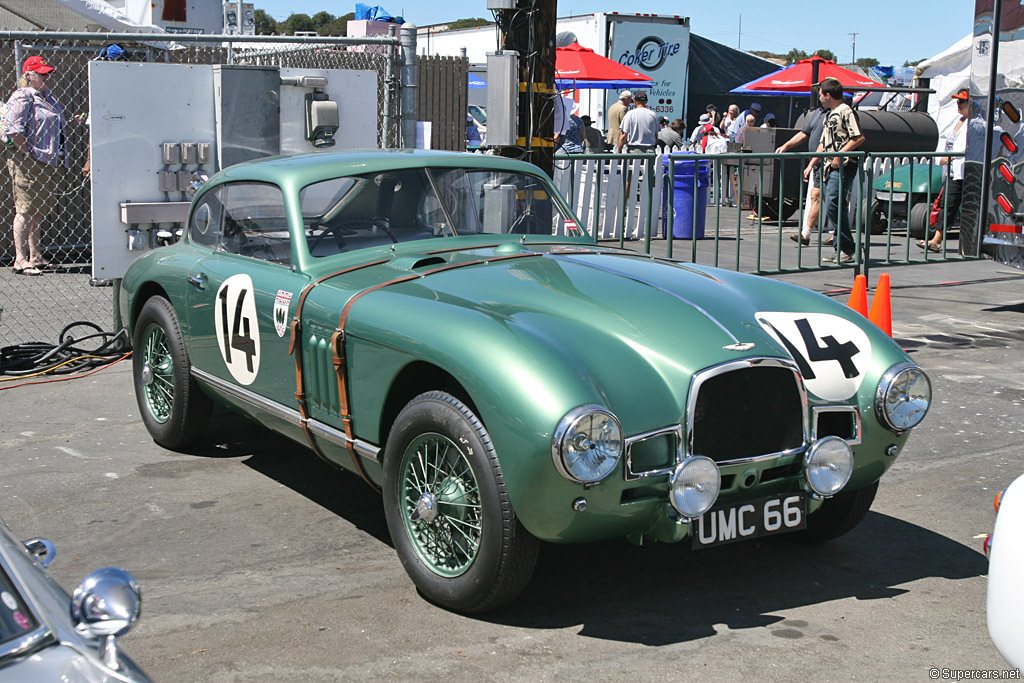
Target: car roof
<point>299,170</point>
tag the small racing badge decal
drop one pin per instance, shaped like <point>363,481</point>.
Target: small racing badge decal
<point>281,303</point>
<point>9,600</point>
<point>833,354</point>
<point>238,331</point>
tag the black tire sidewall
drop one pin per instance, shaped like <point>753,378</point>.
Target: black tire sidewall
<point>436,412</point>
<point>176,430</point>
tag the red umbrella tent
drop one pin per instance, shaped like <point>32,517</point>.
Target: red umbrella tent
<point>800,76</point>
<point>580,67</point>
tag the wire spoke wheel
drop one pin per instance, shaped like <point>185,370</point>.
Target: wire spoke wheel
<point>448,512</point>
<point>173,407</point>
<point>441,504</point>
<point>158,374</point>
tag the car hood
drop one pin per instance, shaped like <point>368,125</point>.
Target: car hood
<point>625,325</point>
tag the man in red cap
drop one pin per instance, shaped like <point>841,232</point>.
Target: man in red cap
<point>34,131</point>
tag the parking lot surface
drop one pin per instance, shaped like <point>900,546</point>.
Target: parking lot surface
<point>259,563</point>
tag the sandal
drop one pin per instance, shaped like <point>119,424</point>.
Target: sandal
<point>28,270</point>
<point>934,247</point>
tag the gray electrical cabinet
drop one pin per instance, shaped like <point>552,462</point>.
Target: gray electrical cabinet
<point>247,102</point>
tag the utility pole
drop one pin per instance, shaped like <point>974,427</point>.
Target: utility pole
<point>739,33</point>
<point>529,29</point>
<point>853,45</point>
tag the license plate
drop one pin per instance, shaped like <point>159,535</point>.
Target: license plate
<point>743,521</point>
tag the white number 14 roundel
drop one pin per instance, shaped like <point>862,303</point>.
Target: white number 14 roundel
<point>832,353</point>
<point>238,332</point>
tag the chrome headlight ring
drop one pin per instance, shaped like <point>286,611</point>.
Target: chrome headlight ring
<point>694,486</point>
<point>903,397</point>
<point>587,444</point>
<point>828,465</point>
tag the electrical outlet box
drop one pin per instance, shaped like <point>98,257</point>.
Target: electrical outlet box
<point>170,154</point>
<point>167,181</point>
<point>502,98</point>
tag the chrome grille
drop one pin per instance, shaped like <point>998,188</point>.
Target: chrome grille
<point>746,410</point>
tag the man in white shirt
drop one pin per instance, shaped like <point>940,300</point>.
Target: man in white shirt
<point>956,142</point>
<point>639,127</point>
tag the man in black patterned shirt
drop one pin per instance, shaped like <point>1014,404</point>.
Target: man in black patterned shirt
<point>841,133</point>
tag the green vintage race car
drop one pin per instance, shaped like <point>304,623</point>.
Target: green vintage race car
<point>441,325</point>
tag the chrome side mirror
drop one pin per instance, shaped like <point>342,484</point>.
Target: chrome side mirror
<point>105,605</point>
<point>198,179</point>
<point>42,550</point>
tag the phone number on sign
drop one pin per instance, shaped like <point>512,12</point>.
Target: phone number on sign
<point>974,674</point>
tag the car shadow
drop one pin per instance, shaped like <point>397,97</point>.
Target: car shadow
<point>665,593</point>
<point>282,460</point>
<point>653,595</point>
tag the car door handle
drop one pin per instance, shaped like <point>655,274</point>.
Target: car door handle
<point>197,281</point>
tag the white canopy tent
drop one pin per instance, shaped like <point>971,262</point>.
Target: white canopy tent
<point>96,16</point>
<point>948,71</point>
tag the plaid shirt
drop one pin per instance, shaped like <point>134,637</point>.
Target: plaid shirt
<point>38,117</point>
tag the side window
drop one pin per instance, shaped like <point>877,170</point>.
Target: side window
<point>244,218</point>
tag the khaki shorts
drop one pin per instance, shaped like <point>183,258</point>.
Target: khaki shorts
<point>34,184</point>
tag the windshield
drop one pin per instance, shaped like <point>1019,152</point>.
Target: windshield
<point>378,209</point>
<point>479,113</point>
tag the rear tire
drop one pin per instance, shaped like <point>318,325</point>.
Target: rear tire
<point>876,220</point>
<point>448,511</point>
<point>173,407</point>
<point>840,514</point>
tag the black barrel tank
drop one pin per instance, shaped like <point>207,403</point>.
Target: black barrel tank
<point>884,131</point>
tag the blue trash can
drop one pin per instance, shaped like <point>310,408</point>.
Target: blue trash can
<point>689,180</point>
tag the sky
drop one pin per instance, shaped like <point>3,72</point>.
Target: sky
<point>891,31</point>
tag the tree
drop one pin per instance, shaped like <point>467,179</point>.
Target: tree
<point>469,23</point>
<point>297,22</point>
<point>826,54</point>
<point>321,19</point>
<point>913,63</point>
<point>795,55</point>
<point>867,62</point>
<point>265,24</point>
<point>337,27</point>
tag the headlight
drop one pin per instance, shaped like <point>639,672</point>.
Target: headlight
<point>903,397</point>
<point>587,444</point>
<point>694,486</point>
<point>828,465</point>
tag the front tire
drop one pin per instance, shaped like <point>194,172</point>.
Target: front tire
<point>448,511</point>
<point>173,407</point>
<point>840,514</point>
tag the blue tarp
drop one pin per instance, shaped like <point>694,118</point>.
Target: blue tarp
<point>375,13</point>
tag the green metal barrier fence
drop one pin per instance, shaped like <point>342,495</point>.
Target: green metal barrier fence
<point>622,198</point>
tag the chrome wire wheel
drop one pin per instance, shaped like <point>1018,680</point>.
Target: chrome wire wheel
<point>441,506</point>
<point>158,373</point>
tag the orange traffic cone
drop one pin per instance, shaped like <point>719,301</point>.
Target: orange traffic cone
<point>881,307</point>
<point>859,296</point>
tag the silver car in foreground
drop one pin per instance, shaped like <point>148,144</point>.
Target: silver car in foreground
<point>48,635</point>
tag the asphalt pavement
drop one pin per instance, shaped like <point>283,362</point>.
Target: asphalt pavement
<point>258,563</point>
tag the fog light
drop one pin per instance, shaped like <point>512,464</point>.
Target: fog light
<point>828,465</point>
<point>694,486</point>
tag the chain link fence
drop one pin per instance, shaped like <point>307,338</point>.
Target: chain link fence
<point>54,209</point>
